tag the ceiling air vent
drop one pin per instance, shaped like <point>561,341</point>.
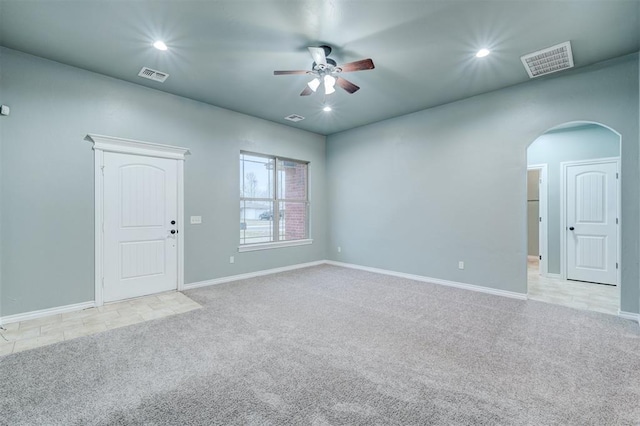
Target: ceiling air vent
<point>154,75</point>
<point>294,117</point>
<point>546,61</point>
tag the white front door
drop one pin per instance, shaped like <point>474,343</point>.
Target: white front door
<point>592,200</point>
<point>140,213</point>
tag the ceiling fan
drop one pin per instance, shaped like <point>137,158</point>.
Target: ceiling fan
<point>325,71</point>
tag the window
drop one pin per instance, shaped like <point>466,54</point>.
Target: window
<point>274,202</point>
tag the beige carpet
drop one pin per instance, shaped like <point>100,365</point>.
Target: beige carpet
<point>327,345</point>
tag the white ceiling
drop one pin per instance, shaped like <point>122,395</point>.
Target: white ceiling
<point>223,52</point>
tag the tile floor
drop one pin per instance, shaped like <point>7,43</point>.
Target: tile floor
<point>20,336</point>
<point>575,294</point>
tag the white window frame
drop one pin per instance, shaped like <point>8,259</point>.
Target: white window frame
<point>275,203</point>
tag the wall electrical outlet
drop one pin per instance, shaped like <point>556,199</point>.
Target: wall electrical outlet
<point>232,259</point>
<point>461,265</point>
<point>339,249</point>
<point>196,220</point>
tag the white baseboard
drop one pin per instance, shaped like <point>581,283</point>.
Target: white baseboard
<point>630,316</point>
<point>80,306</point>
<point>554,276</point>
<point>465,286</point>
<point>246,276</point>
<point>473,287</point>
<point>46,312</point>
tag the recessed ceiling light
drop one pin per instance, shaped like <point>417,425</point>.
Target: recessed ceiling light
<point>160,45</point>
<point>326,108</point>
<point>482,53</point>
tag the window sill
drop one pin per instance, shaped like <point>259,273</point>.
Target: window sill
<point>274,245</point>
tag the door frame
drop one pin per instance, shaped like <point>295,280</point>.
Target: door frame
<point>563,211</point>
<point>102,144</point>
<point>543,194</point>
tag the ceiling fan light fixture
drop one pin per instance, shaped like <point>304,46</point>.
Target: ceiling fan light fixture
<point>326,108</point>
<point>329,84</point>
<point>482,53</point>
<point>325,71</point>
<point>314,84</point>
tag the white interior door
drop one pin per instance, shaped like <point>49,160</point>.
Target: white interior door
<point>140,214</point>
<point>592,233</point>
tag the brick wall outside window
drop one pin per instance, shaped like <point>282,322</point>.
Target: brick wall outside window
<point>295,214</point>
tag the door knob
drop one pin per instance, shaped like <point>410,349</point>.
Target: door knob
<point>173,231</point>
<point>571,228</point>
<point>173,222</point>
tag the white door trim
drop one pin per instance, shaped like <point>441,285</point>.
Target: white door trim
<point>543,214</point>
<point>563,211</point>
<point>102,144</point>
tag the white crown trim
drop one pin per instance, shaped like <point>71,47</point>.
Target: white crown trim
<point>130,146</point>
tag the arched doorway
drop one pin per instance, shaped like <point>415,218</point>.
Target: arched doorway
<point>573,205</point>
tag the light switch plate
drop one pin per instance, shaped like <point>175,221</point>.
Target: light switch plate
<point>196,220</point>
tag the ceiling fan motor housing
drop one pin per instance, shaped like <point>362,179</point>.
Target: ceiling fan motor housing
<point>330,66</point>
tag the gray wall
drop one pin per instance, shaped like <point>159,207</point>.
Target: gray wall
<point>47,178</point>
<point>420,192</point>
<point>554,147</point>
<point>415,193</point>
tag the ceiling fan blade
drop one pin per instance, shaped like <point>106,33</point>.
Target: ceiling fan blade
<point>289,72</point>
<point>318,55</point>
<point>347,85</point>
<point>361,65</point>
<point>306,92</point>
